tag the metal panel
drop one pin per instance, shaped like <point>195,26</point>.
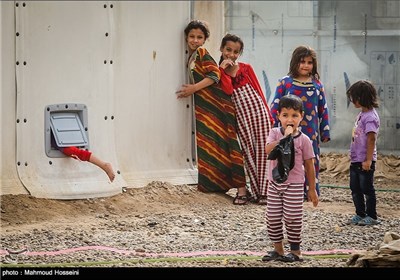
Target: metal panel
<point>65,125</point>
<point>68,129</point>
<point>354,40</point>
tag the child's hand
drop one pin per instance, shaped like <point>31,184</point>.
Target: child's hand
<point>75,157</point>
<point>289,130</point>
<point>313,197</point>
<point>226,63</point>
<point>366,165</point>
<point>185,91</point>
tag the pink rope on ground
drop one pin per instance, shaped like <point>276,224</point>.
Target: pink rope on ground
<point>187,254</point>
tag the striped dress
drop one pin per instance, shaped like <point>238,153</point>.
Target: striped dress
<point>254,123</point>
<point>219,159</point>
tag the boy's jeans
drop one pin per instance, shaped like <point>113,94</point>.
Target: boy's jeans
<point>362,183</point>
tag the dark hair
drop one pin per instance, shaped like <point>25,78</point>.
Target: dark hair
<point>231,38</point>
<point>291,101</point>
<point>198,24</point>
<point>300,53</point>
<point>364,93</point>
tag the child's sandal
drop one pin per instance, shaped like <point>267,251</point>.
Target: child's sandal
<point>290,258</point>
<point>271,256</point>
<point>240,200</point>
<point>262,200</point>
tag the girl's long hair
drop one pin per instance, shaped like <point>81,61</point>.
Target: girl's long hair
<point>298,55</point>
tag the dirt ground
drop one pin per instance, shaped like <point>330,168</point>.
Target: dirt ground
<point>22,210</point>
<point>23,213</point>
<point>334,170</point>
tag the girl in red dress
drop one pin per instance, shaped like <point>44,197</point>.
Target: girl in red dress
<point>254,119</point>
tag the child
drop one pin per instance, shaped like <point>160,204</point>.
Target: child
<point>252,113</point>
<point>219,160</point>
<point>84,155</point>
<point>303,81</point>
<point>363,153</point>
<point>285,200</point>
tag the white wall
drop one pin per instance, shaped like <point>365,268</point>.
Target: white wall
<point>9,180</point>
<point>134,119</point>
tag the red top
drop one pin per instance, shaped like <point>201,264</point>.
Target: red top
<point>245,75</point>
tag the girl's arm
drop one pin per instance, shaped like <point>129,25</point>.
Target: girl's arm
<point>270,146</point>
<point>371,142</point>
<point>188,89</point>
<point>310,174</point>
<point>208,69</point>
<point>323,115</point>
<point>279,92</point>
<point>255,83</point>
<point>272,141</point>
<point>226,82</point>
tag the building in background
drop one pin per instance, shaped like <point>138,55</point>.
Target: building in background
<point>354,40</point>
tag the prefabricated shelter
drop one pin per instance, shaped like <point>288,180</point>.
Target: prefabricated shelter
<point>101,75</point>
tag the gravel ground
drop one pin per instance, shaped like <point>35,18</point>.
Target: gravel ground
<point>157,225</point>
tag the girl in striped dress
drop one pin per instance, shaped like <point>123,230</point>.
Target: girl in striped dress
<point>253,116</point>
<point>219,160</point>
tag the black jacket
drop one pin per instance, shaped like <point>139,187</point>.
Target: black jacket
<point>284,153</point>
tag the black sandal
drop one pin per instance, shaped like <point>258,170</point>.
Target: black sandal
<point>262,200</point>
<point>240,199</point>
<point>291,258</point>
<point>271,256</point>
<point>250,198</point>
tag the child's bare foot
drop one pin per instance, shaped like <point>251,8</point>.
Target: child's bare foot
<point>109,170</point>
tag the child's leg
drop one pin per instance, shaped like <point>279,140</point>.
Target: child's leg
<point>295,249</point>
<point>368,189</point>
<point>276,254</point>
<point>293,215</point>
<point>356,190</point>
<point>278,247</point>
<point>106,166</point>
<point>85,155</point>
<point>76,153</point>
<point>274,215</point>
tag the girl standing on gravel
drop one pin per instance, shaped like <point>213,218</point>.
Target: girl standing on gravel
<point>363,153</point>
<point>285,200</point>
<point>303,80</point>
<point>219,159</point>
<point>252,113</point>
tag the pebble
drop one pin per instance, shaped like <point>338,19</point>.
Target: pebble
<point>218,226</point>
